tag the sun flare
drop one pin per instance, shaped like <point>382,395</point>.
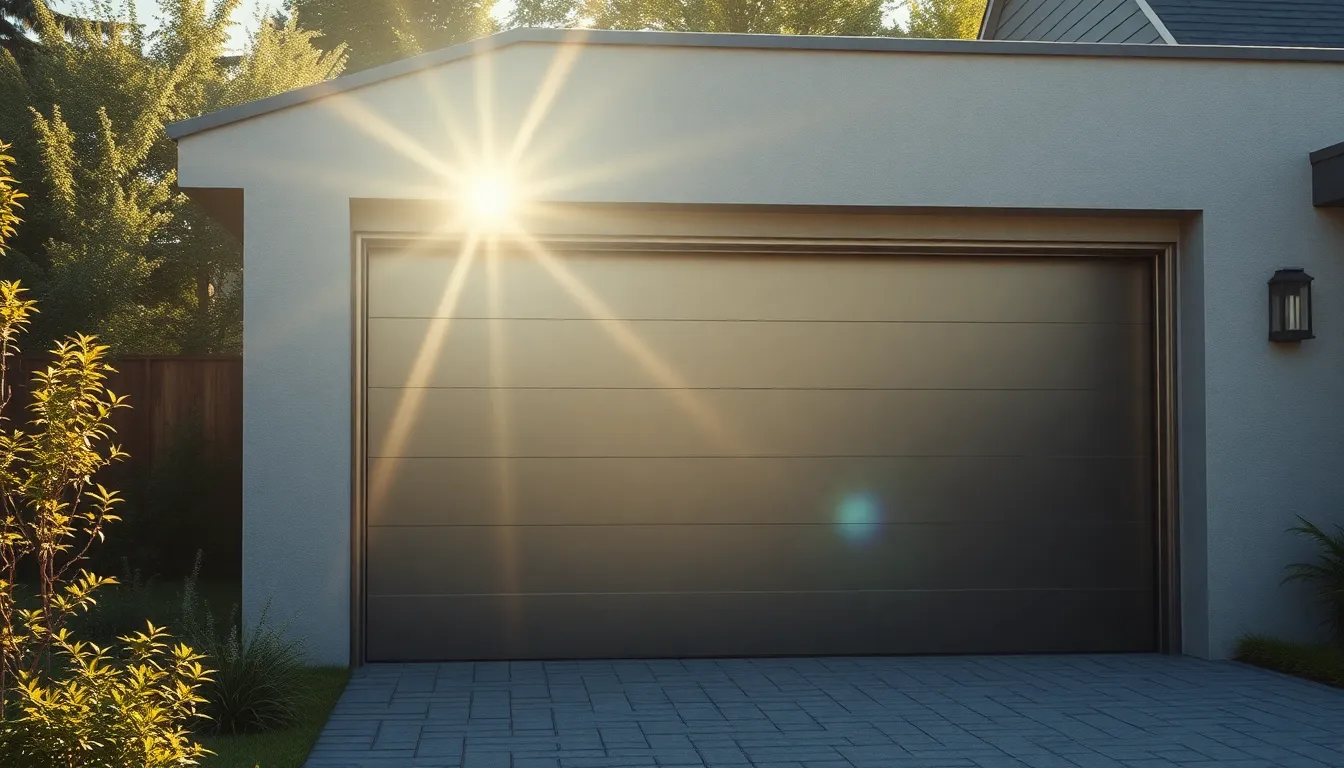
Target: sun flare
<point>490,197</point>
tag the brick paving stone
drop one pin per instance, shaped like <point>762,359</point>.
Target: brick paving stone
<point>1121,711</point>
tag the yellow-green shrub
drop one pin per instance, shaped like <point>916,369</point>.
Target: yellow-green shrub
<point>100,710</point>
<point>66,703</point>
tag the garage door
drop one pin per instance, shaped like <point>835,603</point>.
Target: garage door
<point>644,455</point>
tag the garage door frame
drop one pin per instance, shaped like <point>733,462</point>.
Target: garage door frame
<point>1161,256</point>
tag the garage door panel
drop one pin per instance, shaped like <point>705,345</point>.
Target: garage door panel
<point>670,558</point>
<point>703,354</point>
<point>653,455</point>
<point>571,491</point>
<point>736,624</point>
<point>736,287</point>
<point>474,422</point>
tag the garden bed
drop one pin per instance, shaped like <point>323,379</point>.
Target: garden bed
<point>286,748</point>
<point>1319,663</point>
<point>125,607</point>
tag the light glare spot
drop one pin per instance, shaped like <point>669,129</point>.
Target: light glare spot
<point>858,517</point>
<point>490,198</point>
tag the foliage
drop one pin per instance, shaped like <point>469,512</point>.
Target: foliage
<point>378,31</point>
<point>1326,574</point>
<point>9,198</point>
<point>289,748</point>
<point>53,512</point>
<point>790,17</point>
<point>19,17</point>
<point>258,683</point>
<point>945,19</point>
<point>116,247</point>
<point>101,711</point>
<point>122,609</point>
<point>65,702</point>
<point>1322,663</point>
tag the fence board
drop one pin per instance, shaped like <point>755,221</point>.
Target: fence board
<point>166,395</point>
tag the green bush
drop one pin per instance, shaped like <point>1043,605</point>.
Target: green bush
<point>258,680</point>
<point>66,703</point>
<point>97,710</point>
<point>122,609</point>
<point>1322,663</point>
<point>1326,574</point>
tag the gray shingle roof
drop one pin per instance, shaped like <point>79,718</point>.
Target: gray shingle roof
<point>1307,23</point>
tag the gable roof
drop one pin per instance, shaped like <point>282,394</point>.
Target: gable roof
<point>1307,23</point>
<point>501,40</point>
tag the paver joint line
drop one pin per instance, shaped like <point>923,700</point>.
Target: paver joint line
<point>1123,711</point>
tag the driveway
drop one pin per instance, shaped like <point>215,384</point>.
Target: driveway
<point>974,712</point>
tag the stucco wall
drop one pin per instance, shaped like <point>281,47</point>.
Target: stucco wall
<point>632,124</point>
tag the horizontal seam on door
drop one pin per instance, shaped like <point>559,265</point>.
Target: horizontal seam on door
<point>776,389</point>
<point>761,320</point>
<point>768,592</point>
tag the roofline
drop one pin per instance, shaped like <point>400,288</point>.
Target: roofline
<point>990,18</point>
<point>496,42</point>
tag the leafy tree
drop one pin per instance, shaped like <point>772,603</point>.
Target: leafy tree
<point>951,19</point>
<point>116,248</point>
<point>379,31</point>
<point>19,17</point>
<point>790,17</point>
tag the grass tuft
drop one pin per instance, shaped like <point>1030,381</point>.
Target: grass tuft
<point>287,748</point>
<point>1321,663</point>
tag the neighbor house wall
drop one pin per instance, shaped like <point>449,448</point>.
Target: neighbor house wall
<point>618,124</point>
<point>1073,21</point>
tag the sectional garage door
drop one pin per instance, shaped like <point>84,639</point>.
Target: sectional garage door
<point>681,454</point>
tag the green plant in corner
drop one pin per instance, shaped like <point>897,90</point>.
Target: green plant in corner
<point>1326,573</point>
<point>258,684</point>
<point>65,703</point>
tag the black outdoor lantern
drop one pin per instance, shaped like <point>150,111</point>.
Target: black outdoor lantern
<point>1290,305</point>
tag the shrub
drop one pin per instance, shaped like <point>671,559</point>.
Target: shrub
<point>1322,663</point>
<point>258,683</point>
<point>122,609</point>
<point>66,703</point>
<point>99,711</point>
<point>1326,574</point>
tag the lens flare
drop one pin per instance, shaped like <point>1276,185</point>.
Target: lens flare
<point>490,198</point>
<point>858,516</point>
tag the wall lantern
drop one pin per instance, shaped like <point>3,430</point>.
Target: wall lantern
<point>1290,305</point>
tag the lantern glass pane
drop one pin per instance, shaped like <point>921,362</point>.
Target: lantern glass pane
<point>1276,310</point>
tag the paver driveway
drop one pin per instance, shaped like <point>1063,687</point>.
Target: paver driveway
<point>1039,711</point>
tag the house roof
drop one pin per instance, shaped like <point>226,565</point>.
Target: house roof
<point>1312,23</point>
<point>733,41</point>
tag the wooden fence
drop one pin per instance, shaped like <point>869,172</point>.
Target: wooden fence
<point>173,399</point>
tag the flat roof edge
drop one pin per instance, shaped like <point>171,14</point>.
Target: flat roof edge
<point>414,64</point>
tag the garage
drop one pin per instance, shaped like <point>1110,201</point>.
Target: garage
<point>620,452</point>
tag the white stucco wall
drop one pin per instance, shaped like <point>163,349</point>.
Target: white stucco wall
<point>1222,142</point>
